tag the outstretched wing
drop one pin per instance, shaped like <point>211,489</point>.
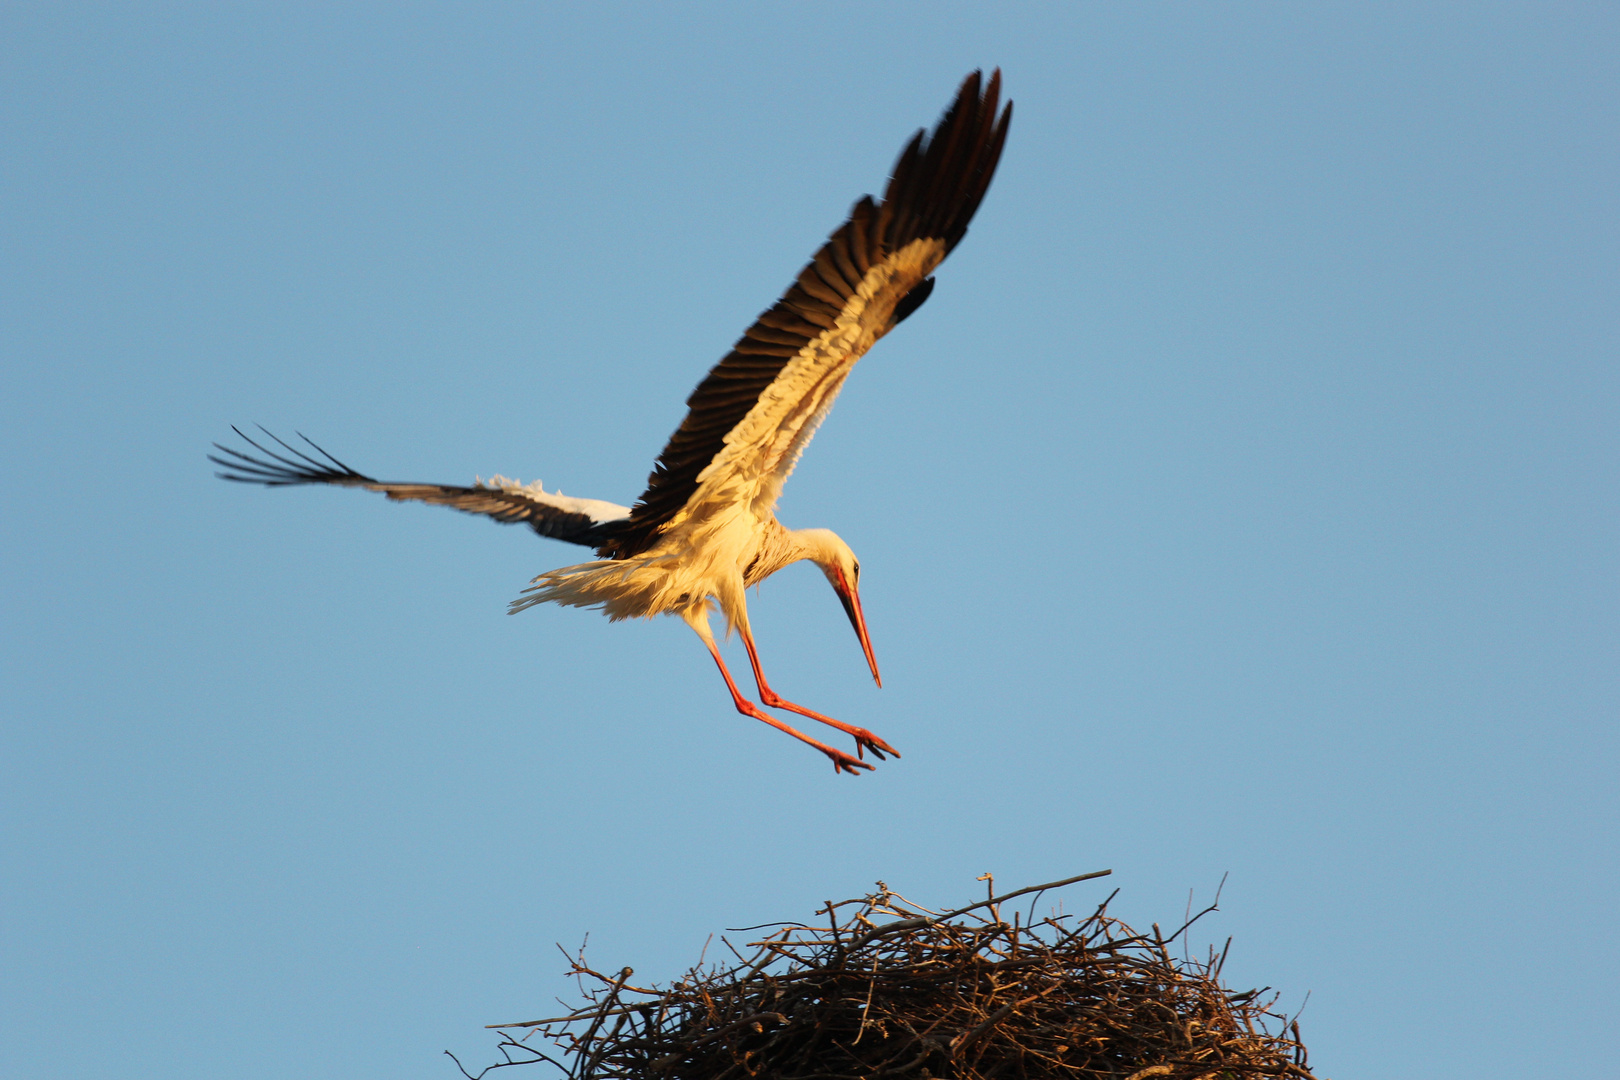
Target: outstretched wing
<point>578,521</point>
<point>749,421</point>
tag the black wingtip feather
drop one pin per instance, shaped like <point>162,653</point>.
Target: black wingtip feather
<point>279,470</point>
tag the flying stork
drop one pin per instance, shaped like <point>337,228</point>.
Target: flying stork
<point>704,530</point>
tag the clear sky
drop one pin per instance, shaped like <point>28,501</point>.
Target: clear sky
<point>1243,501</point>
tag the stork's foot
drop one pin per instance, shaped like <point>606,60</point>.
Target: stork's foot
<point>865,740</point>
<point>843,763</point>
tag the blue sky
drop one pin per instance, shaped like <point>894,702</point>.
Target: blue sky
<point>1243,502</point>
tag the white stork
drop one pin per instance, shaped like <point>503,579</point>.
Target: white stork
<point>704,530</point>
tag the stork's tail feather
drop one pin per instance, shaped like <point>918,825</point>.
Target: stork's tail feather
<point>525,601</point>
<point>622,588</point>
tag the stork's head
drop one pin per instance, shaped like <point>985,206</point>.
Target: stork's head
<point>828,551</point>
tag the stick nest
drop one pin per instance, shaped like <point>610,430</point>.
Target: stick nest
<point>885,988</point>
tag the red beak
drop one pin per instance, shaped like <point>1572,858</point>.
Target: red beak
<point>852,608</point>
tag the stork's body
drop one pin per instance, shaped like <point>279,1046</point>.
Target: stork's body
<point>705,529</point>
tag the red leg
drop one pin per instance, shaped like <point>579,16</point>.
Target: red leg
<point>842,762</point>
<point>864,740</point>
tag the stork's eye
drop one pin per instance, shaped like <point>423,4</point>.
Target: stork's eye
<point>857,570</point>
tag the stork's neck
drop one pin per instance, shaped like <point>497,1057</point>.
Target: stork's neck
<point>781,546</point>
